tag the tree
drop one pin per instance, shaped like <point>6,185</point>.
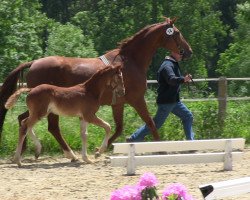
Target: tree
<point>203,29</point>
<point>21,29</point>
<point>235,60</point>
<point>68,40</point>
<point>57,9</point>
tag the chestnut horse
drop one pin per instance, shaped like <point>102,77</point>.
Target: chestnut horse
<point>81,101</point>
<point>134,54</point>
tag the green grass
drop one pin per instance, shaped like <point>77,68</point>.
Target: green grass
<point>205,126</point>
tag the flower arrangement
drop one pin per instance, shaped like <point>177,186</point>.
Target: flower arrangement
<point>145,189</point>
<point>176,191</point>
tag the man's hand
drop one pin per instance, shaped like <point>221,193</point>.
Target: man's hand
<point>188,78</point>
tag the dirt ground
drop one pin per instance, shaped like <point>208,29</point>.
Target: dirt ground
<point>51,178</point>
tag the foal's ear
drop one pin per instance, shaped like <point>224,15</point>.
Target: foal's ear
<point>118,67</point>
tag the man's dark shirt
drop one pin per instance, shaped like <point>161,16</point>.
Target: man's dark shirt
<point>169,79</point>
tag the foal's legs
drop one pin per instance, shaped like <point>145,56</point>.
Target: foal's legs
<point>84,134</point>
<point>26,125</point>
<point>36,141</point>
<point>99,122</point>
<point>20,119</point>
<point>53,128</point>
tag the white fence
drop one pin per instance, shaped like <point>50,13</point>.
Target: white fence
<point>147,153</point>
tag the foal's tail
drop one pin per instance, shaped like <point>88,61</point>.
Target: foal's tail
<point>14,97</point>
<point>8,88</point>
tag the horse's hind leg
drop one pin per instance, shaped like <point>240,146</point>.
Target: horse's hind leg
<point>118,118</point>
<point>84,134</point>
<point>53,128</point>
<point>99,122</point>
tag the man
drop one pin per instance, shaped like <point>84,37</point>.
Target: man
<point>168,100</point>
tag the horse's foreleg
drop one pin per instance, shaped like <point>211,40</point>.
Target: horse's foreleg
<point>53,128</point>
<point>84,134</point>
<point>118,118</point>
<point>141,108</point>
<point>20,119</point>
<point>99,122</point>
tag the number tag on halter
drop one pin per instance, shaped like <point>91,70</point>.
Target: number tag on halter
<point>170,31</point>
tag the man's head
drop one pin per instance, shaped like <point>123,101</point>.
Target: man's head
<point>177,56</point>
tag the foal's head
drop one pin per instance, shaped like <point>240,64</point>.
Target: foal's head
<point>116,81</point>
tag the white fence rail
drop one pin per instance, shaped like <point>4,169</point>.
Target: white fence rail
<point>213,191</point>
<point>216,150</point>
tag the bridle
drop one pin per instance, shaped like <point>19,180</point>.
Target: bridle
<point>171,32</point>
<point>114,83</point>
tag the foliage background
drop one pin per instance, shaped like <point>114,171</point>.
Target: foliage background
<point>206,126</point>
<point>218,31</point>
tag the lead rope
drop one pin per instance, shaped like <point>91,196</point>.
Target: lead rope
<point>197,86</point>
<point>113,97</point>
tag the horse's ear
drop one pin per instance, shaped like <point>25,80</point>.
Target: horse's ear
<point>167,19</point>
<point>173,20</point>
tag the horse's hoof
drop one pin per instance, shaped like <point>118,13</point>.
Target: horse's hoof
<point>74,159</point>
<point>97,154</point>
<point>38,152</point>
<point>70,155</point>
<point>18,162</point>
<point>37,155</point>
<point>97,149</point>
<point>87,160</point>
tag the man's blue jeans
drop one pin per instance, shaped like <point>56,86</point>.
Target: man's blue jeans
<point>178,109</point>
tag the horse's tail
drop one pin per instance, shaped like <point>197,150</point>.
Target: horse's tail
<point>8,88</point>
<point>14,97</point>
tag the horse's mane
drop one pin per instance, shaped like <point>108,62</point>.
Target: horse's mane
<point>126,42</point>
<point>96,75</point>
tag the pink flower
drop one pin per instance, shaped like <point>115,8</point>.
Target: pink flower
<point>176,190</point>
<point>127,193</point>
<point>148,180</point>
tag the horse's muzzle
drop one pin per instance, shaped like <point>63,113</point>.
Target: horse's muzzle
<point>186,54</point>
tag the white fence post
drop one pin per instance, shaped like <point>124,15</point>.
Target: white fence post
<point>131,160</point>
<point>228,163</point>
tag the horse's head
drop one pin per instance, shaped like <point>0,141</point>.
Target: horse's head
<point>116,82</point>
<point>173,40</point>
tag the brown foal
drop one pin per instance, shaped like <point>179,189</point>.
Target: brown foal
<point>82,100</point>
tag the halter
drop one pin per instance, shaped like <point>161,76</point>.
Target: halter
<point>114,90</point>
<point>114,86</point>
<point>171,32</point>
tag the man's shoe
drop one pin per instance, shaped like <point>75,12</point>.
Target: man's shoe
<point>128,139</point>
